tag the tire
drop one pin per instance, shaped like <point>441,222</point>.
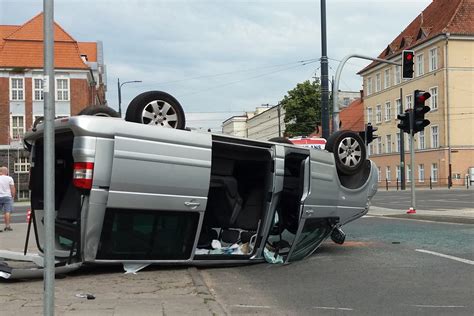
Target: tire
<point>282,140</point>
<point>99,110</point>
<point>38,120</point>
<point>349,151</point>
<point>156,108</point>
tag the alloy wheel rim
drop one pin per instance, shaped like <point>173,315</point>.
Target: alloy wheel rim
<point>349,152</point>
<point>159,113</point>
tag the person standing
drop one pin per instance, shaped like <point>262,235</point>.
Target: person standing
<point>7,195</point>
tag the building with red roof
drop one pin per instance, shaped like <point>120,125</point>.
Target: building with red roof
<point>442,37</point>
<point>80,81</point>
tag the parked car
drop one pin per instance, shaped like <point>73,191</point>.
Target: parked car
<point>134,193</point>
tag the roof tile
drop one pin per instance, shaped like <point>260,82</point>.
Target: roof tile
<point>441,16</point>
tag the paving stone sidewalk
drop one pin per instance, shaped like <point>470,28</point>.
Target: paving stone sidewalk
<point>152,291</point>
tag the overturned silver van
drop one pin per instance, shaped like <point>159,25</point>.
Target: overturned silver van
<point>132,193</point>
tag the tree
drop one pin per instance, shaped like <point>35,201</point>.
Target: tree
<point>302,108</point>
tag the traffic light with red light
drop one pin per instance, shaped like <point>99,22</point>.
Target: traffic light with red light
<point>408,57</point>
<point>404,121</point>
<point>419,110</point>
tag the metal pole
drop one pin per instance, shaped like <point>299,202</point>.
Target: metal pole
<point>402,149</point>
<point>119,97</point>
<point>412,160</point>
<point>324,75</point>
<point>335,104</point>
<point>279,120</point>
<point>119,85</point>
<point>49,154</point>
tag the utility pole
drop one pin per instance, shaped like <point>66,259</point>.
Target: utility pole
<point>324,75</point>
<point>49,158</point>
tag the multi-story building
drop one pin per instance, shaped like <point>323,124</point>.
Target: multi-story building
<point>80,81</point>
<point>442,37</point>
<point>269,121</point>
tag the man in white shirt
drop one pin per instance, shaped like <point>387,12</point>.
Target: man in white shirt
<point>7,195</point>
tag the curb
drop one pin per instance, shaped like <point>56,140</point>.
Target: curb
<point>203,291</point>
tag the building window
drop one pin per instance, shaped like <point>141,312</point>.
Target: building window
<point>408,99</point>
<point>434,98</point>
<point>386,78</point>
<point>379,174</point>
<point>369,86</point>
<point>388,174</point>
<point>397,75</point>
<point>433,59</point>
<point>434,137</point>
<point>38,94</point>
<point>62,89</point>
<point>421,173</point>
<point>17,127</point>
<point>369,115</point>
<point>370,149</point>
<point>408,167</point>
<point>22,165</point>
<point>421,140</point>
<point>398,104</point>
<point>398,173</point>
<point>378,82</point>
<point>389,144</point>
<point>434,172</point>
<point>398,142</point>
<point>420,67</point>
<point>379,145</point>
<point>17,89</point>
<point>23,194</point>
<point>378,114</point>
<point>388,111</point>
<point>346,101</point>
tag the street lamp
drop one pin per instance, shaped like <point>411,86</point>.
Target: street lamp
<point>119,85</point>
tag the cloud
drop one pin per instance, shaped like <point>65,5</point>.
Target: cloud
<point>168,43</point>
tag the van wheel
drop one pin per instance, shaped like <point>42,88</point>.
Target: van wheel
<point>38,120</point>
<point>282,140</point>
<point>99,110</point>
<point>156,108</point>
<point>349,151</point>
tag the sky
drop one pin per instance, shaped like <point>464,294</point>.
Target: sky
<point>221,58</point>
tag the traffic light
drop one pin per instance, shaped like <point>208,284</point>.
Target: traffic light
<point>408,57</point>
<point>404,121</point>
<point>369,132</point>
<point>419,110</point>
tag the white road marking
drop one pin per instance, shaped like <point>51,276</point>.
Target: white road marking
<point>439,306</point>
<point>333,308</point>
<point>446,256</point>
<point>368,216</point>
<point>251,306</point>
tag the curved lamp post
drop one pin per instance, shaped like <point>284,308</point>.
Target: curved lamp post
<point>119,85</point>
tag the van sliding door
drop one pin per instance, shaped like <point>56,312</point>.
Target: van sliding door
<point>157,196</point>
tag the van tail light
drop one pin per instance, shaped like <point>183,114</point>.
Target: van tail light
<point>82,175</point>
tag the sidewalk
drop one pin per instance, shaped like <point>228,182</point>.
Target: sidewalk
<point>152,291</point>
<point>462,216</point>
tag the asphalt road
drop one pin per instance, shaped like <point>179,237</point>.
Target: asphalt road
<point>386,267</point>
<point>439,199</point>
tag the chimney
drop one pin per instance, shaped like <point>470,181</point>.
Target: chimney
<point>361,94</point>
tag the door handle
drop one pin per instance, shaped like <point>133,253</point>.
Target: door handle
<point>192,205</point>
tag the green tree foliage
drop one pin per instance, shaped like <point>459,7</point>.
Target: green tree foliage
<point>302,109</point>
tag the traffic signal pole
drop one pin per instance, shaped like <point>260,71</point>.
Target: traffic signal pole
<point>412,163</point>
<point>402,149</point>
<point>335,97</point>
